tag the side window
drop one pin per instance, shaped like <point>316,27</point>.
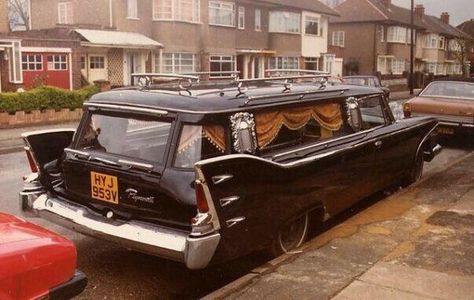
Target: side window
<point>198,142</point>
<point>372,112</point>
<point>298,126</point>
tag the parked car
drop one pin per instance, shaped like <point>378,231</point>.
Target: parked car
<point>36,263</point>
<point>212,171</point>
<point>367,80</point>
<point>451,102</point>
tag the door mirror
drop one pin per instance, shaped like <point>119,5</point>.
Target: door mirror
<point>243,133</point>
<point>354,118</point>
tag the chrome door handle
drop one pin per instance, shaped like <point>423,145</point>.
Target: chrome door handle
<point>378,144</point>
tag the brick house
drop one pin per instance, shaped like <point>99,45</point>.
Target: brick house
<point>373,36</point>
<point>468,27</point>
<point>196,35</point>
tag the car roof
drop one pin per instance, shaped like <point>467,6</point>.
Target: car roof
<point>218,98</point>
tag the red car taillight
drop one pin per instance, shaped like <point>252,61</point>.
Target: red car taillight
<point>31,161</point>
<point>201,200</point>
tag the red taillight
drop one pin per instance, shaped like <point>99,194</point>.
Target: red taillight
<point>31,161</point>
<point>201,200</point>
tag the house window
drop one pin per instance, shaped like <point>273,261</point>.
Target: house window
<point>178,62</point>
<point>221,13</point>
<point>222,63</point>
<point>396,34</point>
<point>338,38</point>
<point>311,63</point>
<point>431,41</point>
<point>65,13</point>
<point>32,62</point>
<point>381,29</point>
<point>57,62</point>
<point>442,42</point>
<point>96,62</point>
<point>176,10</point>
<point>398,66</point>
<point>283,63</point>
<point>286,22</point>
<point>132,9</point>
<point>83,62</point>
<point>311,25</point>
<point>258,20</point>
<point>454,45</point>
<point>241,18</point>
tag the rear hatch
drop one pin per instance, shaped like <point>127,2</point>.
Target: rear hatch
<point>115,166</point>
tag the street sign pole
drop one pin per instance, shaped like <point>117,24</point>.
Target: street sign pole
<point>412,47</point>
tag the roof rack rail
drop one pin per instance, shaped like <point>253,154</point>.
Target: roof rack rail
<point>222,74</point>
<point>297,95</point>
<point>145,80</point>
<point>297,71</point>
<point>287,81</point>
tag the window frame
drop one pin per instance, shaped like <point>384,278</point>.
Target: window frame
<point>132,10</point>
<point>176,56</point>
<point>397,34</point>
<point>220,5</point>
<point>91,62</point>
<point>282,27</point>
<point>281,60</point>
<point>316,20</point>
<point>233,62</point>
<point>241,18</point>
<point>337,40</point>
<point>68,8</point>
<point>175,11</point>
<point>28,62</point>
<point>51,64</point>
<point>258,19</point>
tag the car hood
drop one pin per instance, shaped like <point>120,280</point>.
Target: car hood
<point>33,260</point>
<point>438,105</point>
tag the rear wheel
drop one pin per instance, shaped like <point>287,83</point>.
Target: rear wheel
<point>291,235</point>
<point>416,172</point>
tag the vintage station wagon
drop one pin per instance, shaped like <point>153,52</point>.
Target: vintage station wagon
<point>205,172</point>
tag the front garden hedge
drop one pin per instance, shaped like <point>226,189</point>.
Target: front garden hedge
<point>45,97</point>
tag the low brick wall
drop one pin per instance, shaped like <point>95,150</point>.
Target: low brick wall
<point>36,117</point>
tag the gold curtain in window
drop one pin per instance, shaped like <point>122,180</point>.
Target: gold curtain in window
<point>191,133</point>
<point>269,124</point>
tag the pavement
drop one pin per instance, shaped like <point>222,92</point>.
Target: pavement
<point>416,244</point>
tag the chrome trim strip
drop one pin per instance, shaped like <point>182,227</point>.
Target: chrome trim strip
<point>77,152</point>
<point>234,221</point>
<point>28,133</point>
<point>212,209</point>
<point>217,179</point>
<point>135,164</point>
<point>424,140</point>
<point>126,108</point>
<point>228,200</point>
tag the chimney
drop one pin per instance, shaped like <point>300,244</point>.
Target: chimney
<point>420,10</point>
<point>387,3</point>
<point>445,17</point>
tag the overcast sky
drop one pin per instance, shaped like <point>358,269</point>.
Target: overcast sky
<point>459,10</point>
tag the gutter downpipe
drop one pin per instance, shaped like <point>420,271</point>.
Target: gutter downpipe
<point>412,48</point>
<point>111,14</point>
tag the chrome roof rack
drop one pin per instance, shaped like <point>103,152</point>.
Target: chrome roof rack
<point>296,95</point>
<point>222,74</point>
<point>278,72</point>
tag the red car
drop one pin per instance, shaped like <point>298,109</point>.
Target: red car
<point>36,263</point>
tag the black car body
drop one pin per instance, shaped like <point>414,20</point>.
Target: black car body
<point>214,171</point>
<point>367,80</point>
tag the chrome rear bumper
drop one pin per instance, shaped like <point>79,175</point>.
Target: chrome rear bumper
<point>195,252</point>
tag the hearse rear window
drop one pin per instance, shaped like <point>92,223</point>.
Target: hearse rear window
<point>197,143</point>
<point>299,125</point>
<point>139,137</point>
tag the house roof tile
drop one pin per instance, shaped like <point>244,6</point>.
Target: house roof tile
<point>309,5</point>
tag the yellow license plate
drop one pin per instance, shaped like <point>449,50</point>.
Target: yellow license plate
<point>104,187</point>
<point>444,130</point>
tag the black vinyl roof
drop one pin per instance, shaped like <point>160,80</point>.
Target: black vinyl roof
<point>225,98</point>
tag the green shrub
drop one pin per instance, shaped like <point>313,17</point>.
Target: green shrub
<point>45,97</point>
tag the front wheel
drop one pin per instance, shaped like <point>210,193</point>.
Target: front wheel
<point>291,235</point>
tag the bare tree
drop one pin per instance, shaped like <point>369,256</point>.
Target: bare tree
<point>463,49</point>
<point>18,15</point>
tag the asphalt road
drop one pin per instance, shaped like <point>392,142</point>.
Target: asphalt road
<point>116,273</point>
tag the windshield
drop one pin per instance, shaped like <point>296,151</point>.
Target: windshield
<point>139,137</point>
<point>450,89</point>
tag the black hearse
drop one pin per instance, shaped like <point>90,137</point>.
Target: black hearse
<point>206,172</point>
